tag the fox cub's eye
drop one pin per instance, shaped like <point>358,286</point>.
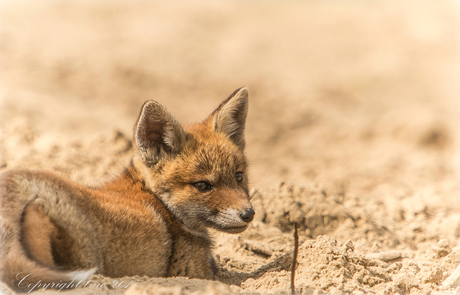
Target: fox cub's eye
<point>239,176</point>
<point>202,186</point>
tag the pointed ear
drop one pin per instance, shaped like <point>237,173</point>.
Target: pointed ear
<point>230,117</point>
<point>157,133</point>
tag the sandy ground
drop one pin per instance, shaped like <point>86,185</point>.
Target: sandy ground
<point>352,131</point>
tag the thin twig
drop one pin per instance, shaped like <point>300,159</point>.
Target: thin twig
<point>294,259</point>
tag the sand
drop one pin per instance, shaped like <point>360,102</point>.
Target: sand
<point>352,130</point>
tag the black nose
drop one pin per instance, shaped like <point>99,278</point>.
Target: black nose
<point>247,215</point>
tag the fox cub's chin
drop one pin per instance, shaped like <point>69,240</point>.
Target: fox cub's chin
<point>151,220</point>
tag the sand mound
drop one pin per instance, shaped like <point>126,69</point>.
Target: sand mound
<point>326,266</point>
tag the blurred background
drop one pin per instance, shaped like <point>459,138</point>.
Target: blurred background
<point>361,97</point>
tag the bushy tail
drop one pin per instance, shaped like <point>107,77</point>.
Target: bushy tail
<point>25,275</point>
<point>17,269</point>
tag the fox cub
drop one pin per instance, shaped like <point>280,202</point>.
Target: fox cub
<point>152,220</point>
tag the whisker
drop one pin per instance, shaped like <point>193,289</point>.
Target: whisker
<point>253,194</point>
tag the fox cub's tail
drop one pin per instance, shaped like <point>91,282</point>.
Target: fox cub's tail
<point>26,262</point>
<point>26,275</point>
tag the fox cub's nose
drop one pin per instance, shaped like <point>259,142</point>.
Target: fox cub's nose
<point>247,215</point>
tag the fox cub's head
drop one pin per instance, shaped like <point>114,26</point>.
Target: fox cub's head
<point>199,171</point>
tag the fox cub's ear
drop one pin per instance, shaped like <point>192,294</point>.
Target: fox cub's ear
<point>157,133</point>
<point>230,117</point>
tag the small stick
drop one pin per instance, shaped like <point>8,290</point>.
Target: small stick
<point>294,259</point>
<point>386,256</point>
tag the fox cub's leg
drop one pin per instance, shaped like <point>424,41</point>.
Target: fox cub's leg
<point>44,240</point>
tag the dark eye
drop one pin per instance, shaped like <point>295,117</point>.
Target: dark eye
<point>239,176</point>
<point>202,186</point>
